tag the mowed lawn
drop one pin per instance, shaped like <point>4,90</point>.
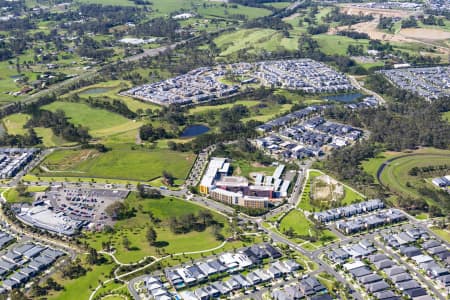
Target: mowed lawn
<point>12,195</point>
<point>99,121</point>
<point>136,227</point>
<point>118,163</point>
<point>302,226</point>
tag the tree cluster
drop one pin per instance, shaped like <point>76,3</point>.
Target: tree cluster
<point>344,19</point>
<point>58,122</point>
<point>354,34</point>
<point>190,222</point>
<point>148,192</point>
<point>119,211</point>
<point>148,133</point>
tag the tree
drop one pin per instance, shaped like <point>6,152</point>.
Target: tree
<point>118,211</point>
<point>126,243</point>
<point>168,178</point>
<point>92,257</point>
<point>151,236</point>
<point>22,189</point>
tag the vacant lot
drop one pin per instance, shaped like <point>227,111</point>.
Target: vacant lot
<point>119,163</point>
<point>425,33</point>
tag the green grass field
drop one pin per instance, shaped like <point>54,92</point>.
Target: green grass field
<point>217,10</point>
<point>244,168</point>
<point>12,195</point>
<point>446,116</point>
<point>334,44</point>
<point>81,288</point>
<point>396,176</point>
<point>119,163</point>
<point>443,233</point>
<point>206,108</point>
<point>135,229</point>
<point>14,123</point>
<point>100,122</point>
<point>111,89</point>
<point>304,227</point>
<point>253,40</point>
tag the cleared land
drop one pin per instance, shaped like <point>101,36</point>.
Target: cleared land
<point>308,204</point>
<point>119,163</point>
<point>135,230</point>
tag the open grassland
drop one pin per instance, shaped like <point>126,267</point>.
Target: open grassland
<point>218,10</point>
<point>135,229</point>
<point>14,125</point>
<point>446,116</point>
<point>301,226</point>
<point>206,108</point>
<point>269,112</point>
<point>372,165</point>
<point>110,90</point>
<point>246,168</point>
<point>278,4</point>
<point>81,288</point>
<point>13,196</point>
<point>99,121</point>
<point>335,44</point>
<point>119,163</point>
<point>443,233</point>
<point>395,175</point>
<point>254,40</point>
<point>7,76</point>
<point>108,2</point>
<point>49,139</point>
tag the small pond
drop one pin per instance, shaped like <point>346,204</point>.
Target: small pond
<point>345,98</point>
<point>194,130</point>
<point>95,91</point>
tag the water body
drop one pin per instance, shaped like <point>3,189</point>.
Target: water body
<point>95,91</point>
<point>194,130</point>
<point>344,98</point>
